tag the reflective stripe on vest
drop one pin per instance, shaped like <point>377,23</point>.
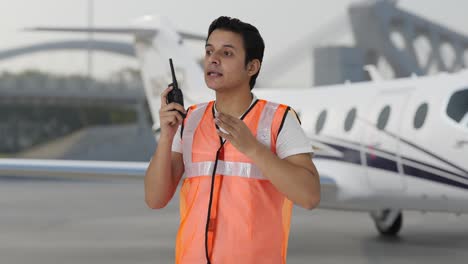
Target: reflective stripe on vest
<point>225,168</point>
<point>189,129</point>
<point>248,170</point>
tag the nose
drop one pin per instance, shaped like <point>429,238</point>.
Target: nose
<point>214,58</point>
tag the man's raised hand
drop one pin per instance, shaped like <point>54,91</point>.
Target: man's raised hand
<point>168,117</point>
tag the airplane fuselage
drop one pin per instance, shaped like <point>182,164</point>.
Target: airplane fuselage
<point>390,144</point>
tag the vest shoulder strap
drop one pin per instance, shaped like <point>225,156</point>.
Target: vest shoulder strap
<point>190,111</point>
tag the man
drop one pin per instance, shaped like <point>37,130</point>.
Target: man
<point>244,160</point>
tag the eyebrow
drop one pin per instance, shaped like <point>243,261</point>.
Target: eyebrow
<point>225,45</point>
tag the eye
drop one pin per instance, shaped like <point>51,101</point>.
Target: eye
<point>208,52</point>
<point>227,53</point>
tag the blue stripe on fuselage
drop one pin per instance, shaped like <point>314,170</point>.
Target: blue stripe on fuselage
<point>375,160</point>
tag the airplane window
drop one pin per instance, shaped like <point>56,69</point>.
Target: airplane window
<point>457,108</point>
<point>383,117</point>
<point>349,121</point>
<point>420,116</point>
<point>320,121</point>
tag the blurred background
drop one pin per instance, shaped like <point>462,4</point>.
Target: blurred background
<point>60,98</point>
<point>80,96</point>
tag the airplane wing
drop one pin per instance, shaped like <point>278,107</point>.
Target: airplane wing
<point>328,184</point>
<point>73,169</point>
<point>331,188</point>
<point>84,169</point>
<point>329,191</point>
<point>101,170</point>
<point>119,31</point>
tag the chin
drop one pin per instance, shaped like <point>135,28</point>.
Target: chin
<point>216,88</point>
<point>213,86</point>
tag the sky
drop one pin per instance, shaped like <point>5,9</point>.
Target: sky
<point>281,23</point>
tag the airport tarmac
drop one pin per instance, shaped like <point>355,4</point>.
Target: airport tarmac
<point>77,222</point>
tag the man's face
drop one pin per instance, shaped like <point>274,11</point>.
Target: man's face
<point>225,61</point>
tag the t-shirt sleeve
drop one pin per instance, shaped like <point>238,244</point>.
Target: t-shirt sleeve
<point>177,141</point>
<point>292,139</point>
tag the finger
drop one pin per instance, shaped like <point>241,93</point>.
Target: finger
<point>175,122</point>
<point>234,125</point>
<point>179,117</point>
<point>229,119</point>
<point>165,108</point>
<point>175,119</point>
<point>178,107</point>
<point>173,106</point>
<point>226,136</point>
<point>169,120</point>
<point>226,126</point>
<point>172,114</point>
<point>228,116</point>
<point>164,95</point>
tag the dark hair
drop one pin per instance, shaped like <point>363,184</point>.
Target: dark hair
<point>253,42</point>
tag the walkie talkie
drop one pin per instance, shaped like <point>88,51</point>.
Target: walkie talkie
<point>175,95</point>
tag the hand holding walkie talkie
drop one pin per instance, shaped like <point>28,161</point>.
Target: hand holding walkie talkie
<point>175,95</point>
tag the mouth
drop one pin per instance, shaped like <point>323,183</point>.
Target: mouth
<point>214,74</point>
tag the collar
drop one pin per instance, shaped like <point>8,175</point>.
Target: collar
<point>254,98</point>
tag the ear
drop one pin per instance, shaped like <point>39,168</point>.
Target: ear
<point>253,67</point>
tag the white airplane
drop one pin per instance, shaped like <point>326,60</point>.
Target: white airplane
<point>380,147</point>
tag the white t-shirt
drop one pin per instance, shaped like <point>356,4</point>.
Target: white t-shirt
<point>291,140</point>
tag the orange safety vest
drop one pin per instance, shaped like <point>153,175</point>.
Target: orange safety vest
<point>249,218</point>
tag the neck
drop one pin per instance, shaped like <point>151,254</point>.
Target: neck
<point>233,103</point>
